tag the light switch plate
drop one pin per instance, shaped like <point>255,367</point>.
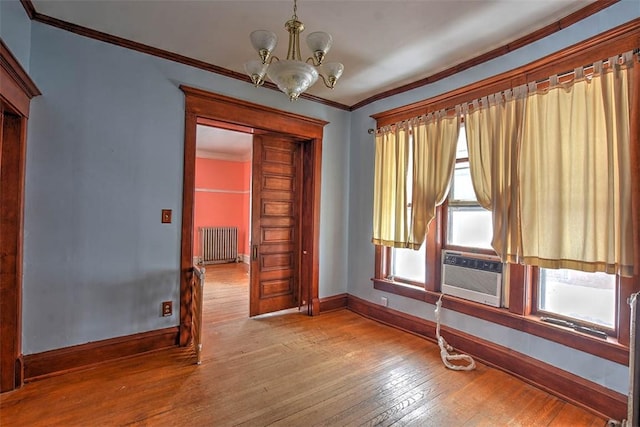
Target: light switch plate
<point>166,216</point>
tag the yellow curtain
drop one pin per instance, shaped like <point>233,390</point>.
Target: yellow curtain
<point>575,173</point>
<point>493,129</point>
<point>390,217</point>
<point>634,89</point>
<point>434,154</point>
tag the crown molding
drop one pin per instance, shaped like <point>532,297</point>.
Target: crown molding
<point>29,8</point>
<point>613,41</point>
<point>160,53</point>
<point>563,23</point>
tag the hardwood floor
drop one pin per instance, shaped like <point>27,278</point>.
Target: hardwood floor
<point>286,369</point>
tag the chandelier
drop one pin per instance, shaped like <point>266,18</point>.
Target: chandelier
<point>292,75</point>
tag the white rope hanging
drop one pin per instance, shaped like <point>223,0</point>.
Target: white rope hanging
<point>446,349</point>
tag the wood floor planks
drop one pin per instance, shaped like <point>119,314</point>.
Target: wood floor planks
<point>286,369</point>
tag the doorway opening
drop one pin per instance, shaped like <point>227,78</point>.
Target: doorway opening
<point>280,132</point>
<point>222,218</point>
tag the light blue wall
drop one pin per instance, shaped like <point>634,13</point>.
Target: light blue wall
<point>104,157</point>
<point>15,30</point>
<point>361,251</point>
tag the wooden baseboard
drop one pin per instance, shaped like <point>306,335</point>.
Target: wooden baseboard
<point>572,388</point>
<point>56,362</point>
<point>335,302</point>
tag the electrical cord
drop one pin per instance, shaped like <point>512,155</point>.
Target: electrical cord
<point>446,349</point>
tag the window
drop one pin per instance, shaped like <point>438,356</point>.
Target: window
<point>408,265</point>
<point>588,299</point>
<point>468,224</point>
<point>578,296</point>
<point>461,224</point>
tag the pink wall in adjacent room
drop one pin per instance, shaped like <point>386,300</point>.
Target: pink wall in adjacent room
<point>222,198</point>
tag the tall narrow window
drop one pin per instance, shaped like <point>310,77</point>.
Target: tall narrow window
<point>408,265</point>
<point>468,224</point>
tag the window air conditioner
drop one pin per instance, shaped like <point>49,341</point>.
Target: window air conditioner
<point>472,276</point>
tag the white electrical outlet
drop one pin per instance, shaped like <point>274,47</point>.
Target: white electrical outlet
<point>384,301</point>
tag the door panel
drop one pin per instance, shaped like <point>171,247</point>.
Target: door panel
<point>275,224</point>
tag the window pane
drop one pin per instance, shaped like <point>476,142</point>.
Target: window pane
<point>461,145</point>
<point>470,227</point>
<point>462,186</point>
<point>408,264</point>
<point>590,297</point>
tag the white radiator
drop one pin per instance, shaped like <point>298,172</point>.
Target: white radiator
<point>218,244</point>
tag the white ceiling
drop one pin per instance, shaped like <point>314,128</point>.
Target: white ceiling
<point>383,44</point>
<point>223,144</point>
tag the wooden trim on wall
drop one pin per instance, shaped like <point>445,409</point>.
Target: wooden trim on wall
<point>334,302</point>
<point>623,38</point>
<point>562,23</point>
<point>236,112</point>
<point>625,289</point>
<point>572,388</point>
<point>13,130</point>
<point>519,296</point>
<point>201,105</point>
<point>16,91</point>
<point>311,220</point>
<point>29,8</point>
<point>56,362</point>
<point>310,225</point>
<point>16,87</point>
<point>157,52</point>
<point>606,349</point>
<point>188,220</point>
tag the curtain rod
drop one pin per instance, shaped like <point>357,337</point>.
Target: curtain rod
<point>635,52</point>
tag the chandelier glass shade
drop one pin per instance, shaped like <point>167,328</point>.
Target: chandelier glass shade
<point>293,76</point>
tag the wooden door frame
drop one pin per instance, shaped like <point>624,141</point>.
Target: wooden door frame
<point>16,91</point>
<point>202,107</point>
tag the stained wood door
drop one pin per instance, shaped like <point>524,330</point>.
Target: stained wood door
<point>275,224</point>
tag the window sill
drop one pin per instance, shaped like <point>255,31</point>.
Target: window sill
<point>608,349</point>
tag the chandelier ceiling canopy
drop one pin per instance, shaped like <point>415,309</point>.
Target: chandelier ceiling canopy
<point>293,76</point>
